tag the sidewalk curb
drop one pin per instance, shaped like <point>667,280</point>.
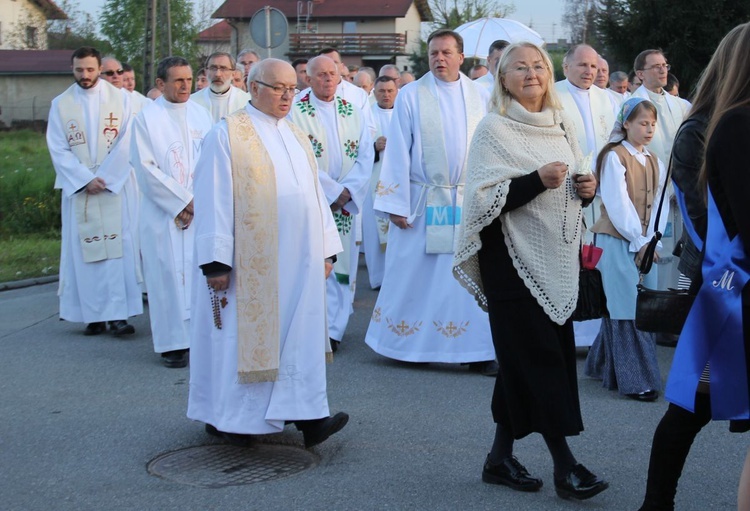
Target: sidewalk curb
<point>19,284</point>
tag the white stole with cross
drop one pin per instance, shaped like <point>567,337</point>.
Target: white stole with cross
<point>442,214</point>
<point>99,216</point>
<point>349,128</point>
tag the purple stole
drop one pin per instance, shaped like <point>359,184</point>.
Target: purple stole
<point>713,330</point>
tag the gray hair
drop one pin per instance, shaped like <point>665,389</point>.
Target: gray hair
<point>216,54</point>
<point>618,76</point>
<point>247,51</point>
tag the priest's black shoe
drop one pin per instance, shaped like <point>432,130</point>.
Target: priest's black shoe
<point>334,344</point>
<point>121,327</point>
<point>510,472</point>
<point>319,430</point>
<point>486,368</point>
<point>580,484</point>
<point>95,328</point>
<point>175,359</point>
<point>237,439</point>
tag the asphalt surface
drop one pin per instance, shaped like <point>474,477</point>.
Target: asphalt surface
<point>81,417</point>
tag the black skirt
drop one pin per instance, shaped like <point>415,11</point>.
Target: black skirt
<point>536,389</point>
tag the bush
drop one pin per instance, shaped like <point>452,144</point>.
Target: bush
<point>28,202</point>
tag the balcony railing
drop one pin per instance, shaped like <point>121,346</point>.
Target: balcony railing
<point>348,44</point>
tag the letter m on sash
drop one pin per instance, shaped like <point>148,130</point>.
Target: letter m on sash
<point>443,215</point>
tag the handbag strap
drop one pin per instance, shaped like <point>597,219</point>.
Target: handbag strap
<point>648,257</point>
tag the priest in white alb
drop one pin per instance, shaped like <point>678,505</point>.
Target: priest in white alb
<point>88,138</point>
<point>166,144</point>
<point>422,314</point>
<point>221,98</point>
<point>375,227</point>
<point>265,239</point>
<point>342,144</point>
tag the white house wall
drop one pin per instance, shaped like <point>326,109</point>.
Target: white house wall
<point>28,97</point>
<point>15,16</point>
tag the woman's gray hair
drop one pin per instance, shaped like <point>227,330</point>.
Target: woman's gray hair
<point>501,97</point>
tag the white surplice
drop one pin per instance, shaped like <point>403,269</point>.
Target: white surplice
<point>340,296</point>
<point>105,290</point>
<point>422,313</point>
<point>374,254</point>
<point>138,101</point>
<point>354,95</point>
<point>305,240</point>
<point>221,105</point>
<point>165,147</point>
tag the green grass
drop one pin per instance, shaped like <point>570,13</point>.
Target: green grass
<point>28,203</point>
<point>29,208</point>
<point>28,257</point>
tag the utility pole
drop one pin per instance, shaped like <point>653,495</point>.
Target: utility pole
<point>153,14</point>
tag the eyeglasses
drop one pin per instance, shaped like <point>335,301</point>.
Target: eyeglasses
<point>111,73</point>
<point>223,69</point>
<point>279,89</point>
<point>524,70</point>
<point>656,67</point>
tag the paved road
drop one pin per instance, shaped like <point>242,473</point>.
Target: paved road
<point>81,417</point>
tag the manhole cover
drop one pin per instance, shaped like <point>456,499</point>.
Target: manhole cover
<point>214,466</point>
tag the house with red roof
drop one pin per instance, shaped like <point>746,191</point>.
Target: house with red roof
<point>217,37</point>
<point>363,31</point>
<point>30,74</point>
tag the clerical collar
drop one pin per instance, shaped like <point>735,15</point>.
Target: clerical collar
<point>220,93</point>
<point>575,89</point>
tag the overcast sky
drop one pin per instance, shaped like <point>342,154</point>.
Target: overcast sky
<point>542,15</point>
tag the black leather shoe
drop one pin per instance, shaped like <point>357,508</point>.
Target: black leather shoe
<point>175,359</point>
<point>580,484</point>
<point>95,328</point>
<point>319,430</point>
<point>486,368</point>
<point>334,344</point>
<point>646,395</point>
<point>510,473</point>
<point>121,327</point>
<point>231,438</point>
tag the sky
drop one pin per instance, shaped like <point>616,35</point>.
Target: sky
<point>544,16</point>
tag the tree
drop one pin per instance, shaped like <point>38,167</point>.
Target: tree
<point>123,22</point>
<point>452,14</point>
<point>688,34</point>
<point>580,18</point>
<point>76,31</point>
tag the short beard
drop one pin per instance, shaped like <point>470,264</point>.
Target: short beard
<point>93,82</point>
<point>211,86</point>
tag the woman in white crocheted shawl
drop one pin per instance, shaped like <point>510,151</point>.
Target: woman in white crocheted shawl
<point>517,253</point>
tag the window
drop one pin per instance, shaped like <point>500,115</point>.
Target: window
<point>31,39</point>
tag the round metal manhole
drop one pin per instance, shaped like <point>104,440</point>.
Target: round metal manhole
<point>214,466</point>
